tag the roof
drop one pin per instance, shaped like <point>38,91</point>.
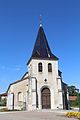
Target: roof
<point>64,86</point>
<point>41,48</point>
<point>72,98</point>
<point>3,94</point>
<point>23,78</point>
<point>59,73</point>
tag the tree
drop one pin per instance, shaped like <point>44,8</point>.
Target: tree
<point>0,98</point>
<point>79,101</point>
<point>73,91</point>
<point>2,102</point>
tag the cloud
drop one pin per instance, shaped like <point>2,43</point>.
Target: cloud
<point>3,80</point>
<point>15,68</point>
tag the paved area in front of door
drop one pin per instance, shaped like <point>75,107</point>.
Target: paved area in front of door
<point>34,115</point>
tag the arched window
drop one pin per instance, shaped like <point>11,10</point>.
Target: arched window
<point>40,67</point>
<point>19,96</point>
<point>49,67</point>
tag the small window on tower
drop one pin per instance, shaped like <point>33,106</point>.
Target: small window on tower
<point>49,67</point>
<point>40,67</point>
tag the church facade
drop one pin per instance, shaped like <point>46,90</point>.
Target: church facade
<point>42,86</point>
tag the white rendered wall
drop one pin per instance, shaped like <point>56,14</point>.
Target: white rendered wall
<point>60,96</point>
<point>10,101</point>
<point>51,82</point>
<point>33,93</point>
<point>15,89</point>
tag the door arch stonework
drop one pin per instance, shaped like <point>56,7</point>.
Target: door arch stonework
<point>45,98</point>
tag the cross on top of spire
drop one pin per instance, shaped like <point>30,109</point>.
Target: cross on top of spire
<point>40,20</point>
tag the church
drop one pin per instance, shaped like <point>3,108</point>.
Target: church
<point>42,86</point>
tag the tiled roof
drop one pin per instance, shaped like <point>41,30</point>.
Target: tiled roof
<point>3,94</point>
<point>72,98</point>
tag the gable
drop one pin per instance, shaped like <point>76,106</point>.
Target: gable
<point>25,77</point>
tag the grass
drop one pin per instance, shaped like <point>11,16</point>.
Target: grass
<point>6,110</point>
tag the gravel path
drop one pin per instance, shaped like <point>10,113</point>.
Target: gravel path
<point>34,115</point>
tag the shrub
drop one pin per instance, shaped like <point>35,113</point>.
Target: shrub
<point>3,110</point>
<point>3,102</point>
<point>73,114</point>
<point>6,110</point>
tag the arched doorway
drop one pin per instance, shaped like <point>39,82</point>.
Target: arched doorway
<point>45,98</point>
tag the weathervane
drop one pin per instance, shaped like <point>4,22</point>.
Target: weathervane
<point>40,20</point>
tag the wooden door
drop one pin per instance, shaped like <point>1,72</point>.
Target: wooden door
<point>45,98</point>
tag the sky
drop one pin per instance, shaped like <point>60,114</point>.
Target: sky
<point>19,25</point>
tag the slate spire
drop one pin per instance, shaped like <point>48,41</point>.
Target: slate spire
<point>41,48</point>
